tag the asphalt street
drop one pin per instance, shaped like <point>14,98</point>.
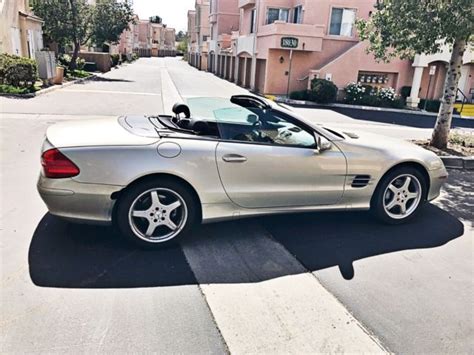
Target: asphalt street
<point>319,282</point>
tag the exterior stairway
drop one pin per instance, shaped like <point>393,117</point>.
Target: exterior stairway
<point>467,109</point>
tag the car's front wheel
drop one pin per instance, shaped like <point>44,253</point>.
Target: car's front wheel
<point>399,195</point>
<point>156,214</point>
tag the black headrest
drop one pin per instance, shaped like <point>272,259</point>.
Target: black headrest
<point>179,108</point>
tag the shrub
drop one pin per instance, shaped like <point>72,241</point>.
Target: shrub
<point>386,94</point>
<point>299,95</point>
<point>115,59</point>
<point>134,56</point>
<point>65,60</point>
<point>358,94</point>
<point>17,71</point>
<point>370,100</point>
<point>323,91</point>
<point>355,92</point>
<point>8,89</point>
<point>431,105</point>
<point>90,67</point>
<point>405,92</point>
<point>398,103</point>
<point>80,74</point>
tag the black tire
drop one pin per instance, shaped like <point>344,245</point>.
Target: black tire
<point>378,199</point>
<point>129,226</point>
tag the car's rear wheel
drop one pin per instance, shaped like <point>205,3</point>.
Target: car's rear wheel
<point>399,195</point>
<point>156,214</point>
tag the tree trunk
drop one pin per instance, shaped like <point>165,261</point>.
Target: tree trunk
<point>440,135</point>
<point>75,54</point>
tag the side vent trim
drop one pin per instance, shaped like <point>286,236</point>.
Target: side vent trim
<point>360,181</point>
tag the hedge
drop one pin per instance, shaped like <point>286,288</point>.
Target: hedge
<point>323,91</point>
<point>431,105</point>
<point>18,71</point>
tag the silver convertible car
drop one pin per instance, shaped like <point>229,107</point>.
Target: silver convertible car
<point>155,177</point>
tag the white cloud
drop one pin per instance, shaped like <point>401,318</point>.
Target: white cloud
<point>173,12</point>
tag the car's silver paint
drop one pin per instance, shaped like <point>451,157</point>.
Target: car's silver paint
<point>278,176</point>
<point>111,156</point>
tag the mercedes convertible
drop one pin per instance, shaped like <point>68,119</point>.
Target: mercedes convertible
<point>155,177</point>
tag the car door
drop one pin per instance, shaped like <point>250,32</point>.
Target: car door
<point>284,170</point>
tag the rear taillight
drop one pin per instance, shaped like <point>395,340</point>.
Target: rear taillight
<point>56,165</point>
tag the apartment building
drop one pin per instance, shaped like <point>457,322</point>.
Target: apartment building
<point>155,39</point>
<point>281,45</point>
<point>224,18</point>
<point>199,34</point>
<point>192,39</point>
<point>20,30</point>
<point>129,38</point>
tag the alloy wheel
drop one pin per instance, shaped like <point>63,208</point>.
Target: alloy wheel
<point>158,215</point>
<point>402,196</point>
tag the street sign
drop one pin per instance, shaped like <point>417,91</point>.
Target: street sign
<point>289,42</point>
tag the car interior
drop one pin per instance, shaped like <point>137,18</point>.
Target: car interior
<point>256,122</point>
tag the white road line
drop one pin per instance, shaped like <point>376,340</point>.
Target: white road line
<point>171,94</point>
<point>265,301</point>
<point>112,92</point>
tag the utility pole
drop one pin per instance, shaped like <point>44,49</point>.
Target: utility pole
<point>289,75</point>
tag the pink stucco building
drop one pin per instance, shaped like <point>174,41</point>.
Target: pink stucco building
<point>282,44</point>
<point>148,38</point>
<point>279,46</point>
<point>199,33</point>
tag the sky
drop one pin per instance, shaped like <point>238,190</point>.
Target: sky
<point>173,12</point>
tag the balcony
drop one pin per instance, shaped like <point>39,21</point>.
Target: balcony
<point>245,44</point>
<point>212,46</point>
<point>310,37</point>
<point>246,3</point>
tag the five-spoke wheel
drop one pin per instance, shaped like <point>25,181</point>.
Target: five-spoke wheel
<point>154,214</point>
<point>399,195</point>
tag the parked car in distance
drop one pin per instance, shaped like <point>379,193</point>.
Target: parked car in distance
<point>156,177</point>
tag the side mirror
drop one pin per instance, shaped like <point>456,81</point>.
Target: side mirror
<point>322,143</point>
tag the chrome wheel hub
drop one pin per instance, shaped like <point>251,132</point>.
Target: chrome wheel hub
<point>402,196</point>
<point>158,215</point>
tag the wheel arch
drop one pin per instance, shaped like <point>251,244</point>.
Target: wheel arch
<point>156,177</point>
<point>413,164</point>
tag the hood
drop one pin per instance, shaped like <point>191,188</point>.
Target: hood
<point>361,148</point>
<point>101,132</point>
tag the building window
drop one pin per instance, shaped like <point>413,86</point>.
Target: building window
<point>342,22</point>
<point>298,14</point>
<point>277,15</point>
<point>253,20</point>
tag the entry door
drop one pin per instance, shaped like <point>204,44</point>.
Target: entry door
<point>259,176</point>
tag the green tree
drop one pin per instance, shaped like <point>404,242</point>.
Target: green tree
<point>66,21</point>
<point>403,28</point>
<point>156,19</point>
<point>180,36</point>
<point>110,19</point>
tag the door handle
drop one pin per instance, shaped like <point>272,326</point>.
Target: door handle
<point>234,158</point>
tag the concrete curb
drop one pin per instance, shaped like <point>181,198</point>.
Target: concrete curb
<point>453,162</point>
<point>310,104</point>
<point>65,85</point>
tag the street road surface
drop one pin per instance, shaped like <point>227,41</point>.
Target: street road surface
<point>319,282</point>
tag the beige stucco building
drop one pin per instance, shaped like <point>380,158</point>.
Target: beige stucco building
<point>20,30</point>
